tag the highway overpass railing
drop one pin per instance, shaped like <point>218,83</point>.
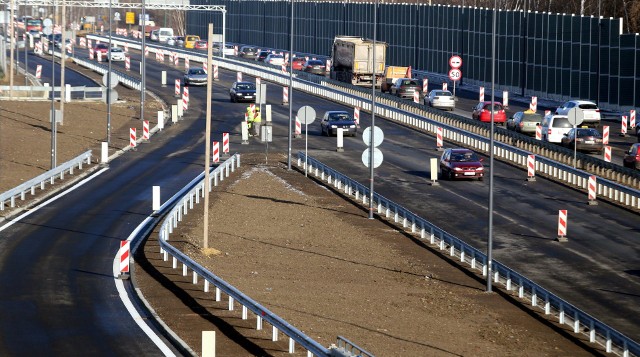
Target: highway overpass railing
<point>125,79</point>
<point>535,295</point>
<point>171,221</point>
<point>41,180</point>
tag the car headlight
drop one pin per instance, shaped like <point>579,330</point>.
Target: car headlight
<point>352,126</point>
<point>457,169</point>
<point>333,126</point>
<point>479,168</point>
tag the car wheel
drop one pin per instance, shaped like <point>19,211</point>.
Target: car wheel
<point>231,99</point>
<point>450,175</point>
<point>481,178</point>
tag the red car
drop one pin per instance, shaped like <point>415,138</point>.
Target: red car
<point>482,112</point>
<point>101,47</point>
<point>298,63</point>
<point>201,45</point>
<point>632,157</point>
<point>460,164</point>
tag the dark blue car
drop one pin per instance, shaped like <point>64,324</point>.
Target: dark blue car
<point>334,120</point>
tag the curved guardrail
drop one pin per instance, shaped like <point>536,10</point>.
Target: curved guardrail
<point>41,180</point>
<point>171,221</point>
<point>537,296</point>
<point>126,80</point>
<point>551,160</point>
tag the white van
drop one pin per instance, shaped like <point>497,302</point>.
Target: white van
<point>164,33</point>
<point>554,127</point>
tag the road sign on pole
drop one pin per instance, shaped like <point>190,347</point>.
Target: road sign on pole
<point>455,74</point>
<point>455,62</point>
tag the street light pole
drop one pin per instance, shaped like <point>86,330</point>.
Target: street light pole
<point>291,93</point>
<point>373,109</point>
<point>491,144</point>
<point>143,63</point>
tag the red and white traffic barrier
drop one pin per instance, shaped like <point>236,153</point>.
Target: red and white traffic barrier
<point>126,48</point>
<point>127,63</point>
<point>239,77</point>
<point>39,71</point>
<point>145,130</point>
<point>416,97</point>
<point>91,53</point>
<point>215,72</point>
<point>632,118</point>
<point>176,59</point>
<point>562,225</point>
<point>235,50</point>
<point>623,126</point>
<point>538,132</point>
<point>328,65</point>
<point>257,82</point>
<point>356,115</point>
<point>284,68</point>
<point>605,134</point>
<point>505,99</point>
<point>607,153</point>
<point>99,56</point>
<point>186,64</point>
<point>177,87</point>
<point>205,66</point>
<point>591,187</point>
<point>531,168</point>
<point>481,99</point>
<point>533,106</point>
<point>285,95</point>
<point>89,43</point>
<point>146,51</point>
<point>161,55</point>
<point>216,152</point>
<point>547,112</point>
<point>439,138</point>
<point>444,85</point>
<point>83,42</point>
<point>46,47</point>
<point>132,137</point>
<point>185,98</point>
<point>225,143</point>
<point>425,85</point>
<point>170,57</point>
<point>69,48</point>
<point>123,253</point>
<point>298,132</point>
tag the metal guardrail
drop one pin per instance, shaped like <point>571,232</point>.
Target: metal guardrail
<point>126,80</point>
<point>537,296</point>
<point>44,92</point>
<point>41,180</point>
<point>171,221</point>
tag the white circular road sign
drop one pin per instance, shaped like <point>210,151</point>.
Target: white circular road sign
<point>575,116</point>
<point>377,157</point>
<point>455,62</point>
<point>455,74</point>
<point>378,136</point>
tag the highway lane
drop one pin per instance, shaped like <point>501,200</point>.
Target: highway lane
<point>71,77</point>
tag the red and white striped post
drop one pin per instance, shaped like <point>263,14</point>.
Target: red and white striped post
<point>623,126</point>
<point>439,141</point>
<point>145,130</point>
<point>258,82</point>
<point>83,42</point>
<point>146,51</point>
<point>538,132</point>
<point>533,106</point>
<point>126,48</point>
<point>505,99</point>
<point>99,56</point>
<point>89,42</point>
<point>356,115</point>
<point>127,63</point>
<point>562,225</point>
<point>592,187</point>
<point>185,98</point>
<point>91,53</point>
<point>607,153</point>
<point>132,137</point>
<point>216,152</point>
<point>285,95</point>
<point>215,72</point>
<point>531,168</point>
<point>176,59</point>
<point>205,66</point>
<point>416,97</point>
<point>235,50</point>
<point>177,93</point>
<point>39,71</point>
<point>605,134</point>
<point>225,144</point>
<point>481,99</point>
<point>69,48</point>
<point>425,85</point>
<point>284,68</point>
<point>161,55</point>
<point>186,64</point>
<point>444,85</point>
<point>123,253</point>
<point>298,132</point>
<point>632,118</point>
<point>239,77</point>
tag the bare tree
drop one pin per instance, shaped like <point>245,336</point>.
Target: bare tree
<point>179,21</point>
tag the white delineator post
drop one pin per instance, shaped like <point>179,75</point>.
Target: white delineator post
<point>145,130</point>
<point>104,153</point>
<point>340,140</point>
<point>439,141</point>
<point>481,96</point>
<point>531,168</point>
<point>225,144</point>
<point>156,198</point>
<point>161,118</point>
<point>592,186</point>
<point>285,95</point>
<point>505,99</point>
<point>177,88</point>
<point>123,253</point>
<point>623,126</point>
<point>433,169</point>
<point>132,137</point>
<point>215,72</point>
<point>562,225</point>
<point>239,77</point>
<point>216,152</point>
<point>356,116</point>
<point>176,59</point>
<point>425,85</point>
<point>605,134</point>
<point>607,153</point>
<point>533,106</point>
<point>298,131</point>
<point>39,71</point>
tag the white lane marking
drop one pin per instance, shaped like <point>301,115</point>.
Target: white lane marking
<point>127,302</point>
<point>26,214</point>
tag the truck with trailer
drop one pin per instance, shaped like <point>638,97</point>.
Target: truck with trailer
<point>352,60</point>
<point>391,75</point>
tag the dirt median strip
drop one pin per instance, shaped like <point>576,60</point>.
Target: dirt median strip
<point>314,259</point>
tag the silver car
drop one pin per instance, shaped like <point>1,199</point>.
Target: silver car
<point>441,99</point>
<point>195,77</point>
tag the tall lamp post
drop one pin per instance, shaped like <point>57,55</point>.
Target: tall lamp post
<point>491,143</point>
<point>291,92</point>
<point>373,108</point>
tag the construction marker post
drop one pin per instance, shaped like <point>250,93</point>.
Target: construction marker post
<point>505,99</point>
<point>623,126</point>
<point>185,98</point>
<point>123,254</point>
<point>164,78</point>
<point>632,118</point>
<point>607,153</point>
<point>298,131</point>
<point>145,130</point>
<point>356,116</point>
<point>538,132</point>
<point>104,157</point>
<point>239,77</point>
<point>39,71</point>
<point>215,153</point>
<point>481,95</point>
<point>533,106</point>
<point>132,137</point>
<point>439,141</point>
<point>340,140</point>
<point>531,168</point>
<point>562,226</point>
<point>425,85</point>
<point>433,168</point>
<point>592,187</point>
<point>215,72</point>
<point>225,144</point>
<point>180,108</point>
<point>156,198</point>
<point>177,88</point>
<point>605,134</point>
<point>285,95</point>
<point>245,133</point>
<point>160,119</point>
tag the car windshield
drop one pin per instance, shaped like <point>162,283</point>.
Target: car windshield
<point>197,71</point>
<point>589,106</point>
<point>408,82</point>
<point>588,132</point>
<point>496,106</point>
<point>467,156</point>
<point>115,50</point>
<point>532,118</point>
<point>561,122</point>
<point>316,63</point>
<point>339,116</point>
<point>246,86</point>
<point>276,56</point>
<point>443,94</point>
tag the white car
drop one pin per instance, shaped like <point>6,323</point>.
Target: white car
<point>274,59</point>
<point>441,99</point>
<point>554,127</point>
<point>229,50</point>
<point>117,54</point>
<point>589,109</point>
